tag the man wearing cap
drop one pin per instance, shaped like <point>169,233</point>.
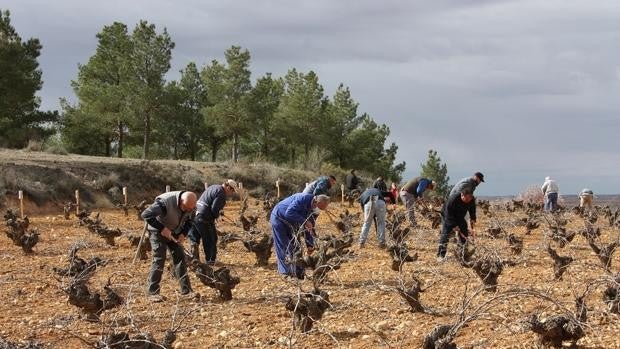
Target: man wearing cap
<point>293,215</point>
<point>550,190</point>
<point>413,191</point>
<point>454,212</point>
<point>210,206</point>
<point>321,186</point>
<point>168,221</point>
<point>470,183</point>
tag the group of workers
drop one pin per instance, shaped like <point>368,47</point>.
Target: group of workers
<point>179,214</point>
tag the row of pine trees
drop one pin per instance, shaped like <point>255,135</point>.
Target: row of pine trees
<point>125,107</point>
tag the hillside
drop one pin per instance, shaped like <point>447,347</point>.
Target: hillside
<point>49,180</point>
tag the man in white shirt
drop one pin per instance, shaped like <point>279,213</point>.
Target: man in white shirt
<point>586,197</point>
<point>550,190</point>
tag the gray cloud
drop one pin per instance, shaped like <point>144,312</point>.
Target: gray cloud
<point>516,89</point>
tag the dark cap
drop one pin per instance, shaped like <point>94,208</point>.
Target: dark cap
<point>479,175</point>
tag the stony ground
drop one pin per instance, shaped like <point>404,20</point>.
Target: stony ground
<point>366,310</point>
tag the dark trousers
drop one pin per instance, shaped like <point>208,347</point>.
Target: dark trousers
<point>204,229</point>
<point>446,230</point>
<point>159,245</point>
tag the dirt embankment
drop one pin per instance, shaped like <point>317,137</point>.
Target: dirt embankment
<point>48,180</point>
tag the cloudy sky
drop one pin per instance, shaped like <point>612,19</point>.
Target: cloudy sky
<point>518,90</point>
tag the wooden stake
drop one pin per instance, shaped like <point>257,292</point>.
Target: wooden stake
<point>342,192</point>
<point>167,188</point>
<point>20,195</point>
<point>135,257</point>
<point>278,187</point>
<point>125,195</point>
<point>77,201</point>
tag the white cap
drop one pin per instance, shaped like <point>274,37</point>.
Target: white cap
<point>547,178</point>
<point>231,183</point>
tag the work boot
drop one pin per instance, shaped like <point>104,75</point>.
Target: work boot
<point>191,296</point>
<point>195,251</point>
<point>155,298</point>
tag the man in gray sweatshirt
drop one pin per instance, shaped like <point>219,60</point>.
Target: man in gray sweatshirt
<point>470,184</point>
<point>168,222</point>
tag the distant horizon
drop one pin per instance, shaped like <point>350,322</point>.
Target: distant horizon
<point>561,195</point>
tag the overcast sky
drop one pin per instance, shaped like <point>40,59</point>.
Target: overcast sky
<point>518,90</point>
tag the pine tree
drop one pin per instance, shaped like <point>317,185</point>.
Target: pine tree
<point>101,91</point>
<point>20,79</point>
<point>435,170</point>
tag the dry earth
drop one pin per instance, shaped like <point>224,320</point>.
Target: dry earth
<point>366,311</point>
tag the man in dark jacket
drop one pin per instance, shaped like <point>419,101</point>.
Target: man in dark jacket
<point>413,191</point>
<point>372,201</point>
<point>321,186</point>
<point>454,212</point>
<point>352,181</point>
<point>380,184</point>
<point>210,206</point>
<point>168,222</point>
<point>469,183</point>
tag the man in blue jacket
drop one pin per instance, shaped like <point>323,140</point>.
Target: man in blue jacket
<point>290,216</point>
<point>210,206</point>
<point>168,221</point>
<point>321,186</point>
<point>454,212</point>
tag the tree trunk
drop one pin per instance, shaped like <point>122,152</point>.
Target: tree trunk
<point>214,148</point>
<point>265,146</point>
<point>108,148</point>
<point>192,150</point>
<point>120,139</point>
<point>306,155</point>
<point>293,157</point>
<point>235,147</point>
<point>147,129</point>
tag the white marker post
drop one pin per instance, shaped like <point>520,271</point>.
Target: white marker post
<point>125,196</point>
<point>278,187</point>
<point>167,188</point>
<point>77,201</point>
<point>20,196</point>
<point>206,185</point>
<point>342,192</point>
